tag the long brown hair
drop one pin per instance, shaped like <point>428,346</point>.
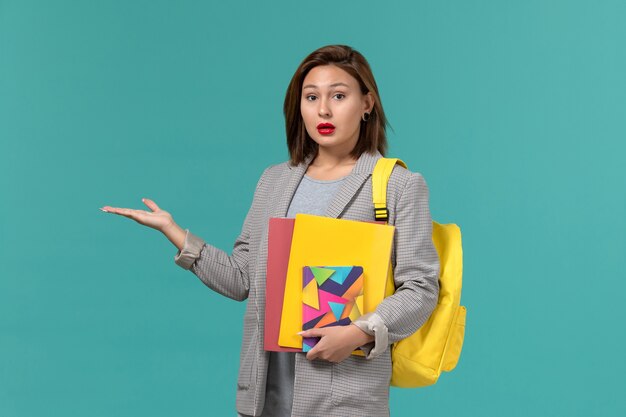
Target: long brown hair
<point>372,134</point>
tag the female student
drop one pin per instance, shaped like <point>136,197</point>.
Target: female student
<point>335,127</point>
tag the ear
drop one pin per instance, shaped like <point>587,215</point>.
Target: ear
<point>368,102</point>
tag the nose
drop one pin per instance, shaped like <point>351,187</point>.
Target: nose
<point>323,110</point>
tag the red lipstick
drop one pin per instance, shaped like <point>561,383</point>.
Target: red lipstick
<point>325,128</point>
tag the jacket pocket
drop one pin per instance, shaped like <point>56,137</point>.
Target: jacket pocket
<point>362,384</point>
<point>248,355</point>
<point>246,361</point>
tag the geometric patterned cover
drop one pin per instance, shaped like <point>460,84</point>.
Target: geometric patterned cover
<point>331,296</point>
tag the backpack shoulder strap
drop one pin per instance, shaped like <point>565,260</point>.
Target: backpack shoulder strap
<point>380,178</point>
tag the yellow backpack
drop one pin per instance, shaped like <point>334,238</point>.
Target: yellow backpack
<point>419,359</point>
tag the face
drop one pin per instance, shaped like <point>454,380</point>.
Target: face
<point>331,96</point>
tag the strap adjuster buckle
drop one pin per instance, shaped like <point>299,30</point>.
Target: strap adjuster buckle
<point>381,213</point>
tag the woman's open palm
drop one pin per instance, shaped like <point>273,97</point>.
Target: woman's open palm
<point>157,219</point>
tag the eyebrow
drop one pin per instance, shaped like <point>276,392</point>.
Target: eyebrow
<point>332,85</point>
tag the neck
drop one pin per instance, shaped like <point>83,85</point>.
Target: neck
<point>331,159</point>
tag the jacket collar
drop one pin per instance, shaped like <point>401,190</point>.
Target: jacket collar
<point>353,182</point>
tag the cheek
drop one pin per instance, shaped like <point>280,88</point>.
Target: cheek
<point>352,115</point>
<point>307,115</point>
<point>306,118</point>
<point>352,108</point>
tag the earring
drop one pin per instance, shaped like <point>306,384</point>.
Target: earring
<point>366,117</point>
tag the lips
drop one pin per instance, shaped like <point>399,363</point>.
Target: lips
<point>325,128</point>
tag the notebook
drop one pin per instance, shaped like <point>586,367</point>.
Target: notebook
<point>331,296</point>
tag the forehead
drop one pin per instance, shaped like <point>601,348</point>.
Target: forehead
<point>324,76</point>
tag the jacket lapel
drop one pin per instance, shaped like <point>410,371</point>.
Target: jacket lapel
<point>354,181</point>
<point>290,180</point>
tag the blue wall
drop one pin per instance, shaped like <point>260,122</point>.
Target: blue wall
<point>514,112</point>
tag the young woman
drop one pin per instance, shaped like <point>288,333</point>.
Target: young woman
<point>335,134</point>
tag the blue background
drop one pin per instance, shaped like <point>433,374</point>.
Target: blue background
<point>514,112</point>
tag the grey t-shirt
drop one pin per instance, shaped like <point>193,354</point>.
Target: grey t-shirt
<point>312,197</point>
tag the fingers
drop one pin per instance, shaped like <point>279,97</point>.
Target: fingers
<point>319,351</point>
<point>122,211</point>
<point>130,213</point>
<point>313,353</point>
<point>312,333</point>
<point>151,204</point>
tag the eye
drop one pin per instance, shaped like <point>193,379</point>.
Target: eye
<point>341,96</point>
<point>310,97</point>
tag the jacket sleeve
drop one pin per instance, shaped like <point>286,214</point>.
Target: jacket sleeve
<point>416,272</point>
<point>223,273</point>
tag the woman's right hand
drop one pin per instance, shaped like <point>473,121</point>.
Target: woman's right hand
<point>157,219</point>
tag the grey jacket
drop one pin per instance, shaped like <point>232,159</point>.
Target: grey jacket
<point>356,386</point>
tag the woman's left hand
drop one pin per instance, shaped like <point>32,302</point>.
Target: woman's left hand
<point>337,342</point>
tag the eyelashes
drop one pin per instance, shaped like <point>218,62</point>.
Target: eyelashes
<point>312,97</point>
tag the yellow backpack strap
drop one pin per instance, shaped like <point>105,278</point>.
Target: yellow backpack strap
<point>380,178</point>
